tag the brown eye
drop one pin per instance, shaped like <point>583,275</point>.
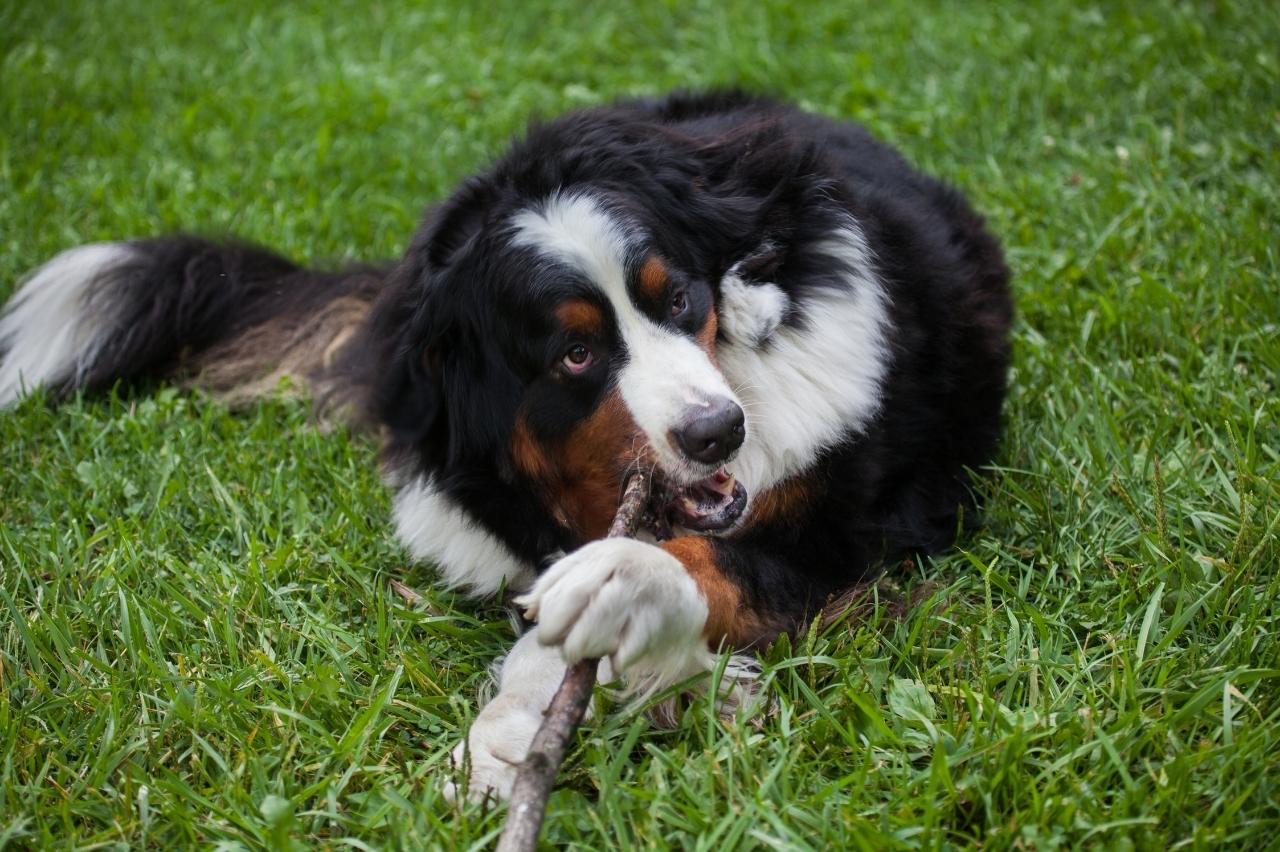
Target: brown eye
<point>578,358</point>
<point>678,303</point>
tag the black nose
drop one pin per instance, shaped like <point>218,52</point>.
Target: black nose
<point>713,433</point>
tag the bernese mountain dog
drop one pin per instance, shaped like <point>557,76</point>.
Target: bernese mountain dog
<point>802,337</point>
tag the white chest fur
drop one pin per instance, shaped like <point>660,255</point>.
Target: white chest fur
<point>805,387</point>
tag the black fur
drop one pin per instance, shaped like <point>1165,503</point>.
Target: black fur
<point>456,346</point>
<point>179,296</point>
<point>711,177</point>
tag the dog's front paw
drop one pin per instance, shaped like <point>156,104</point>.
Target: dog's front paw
<point>619,598</point>
<point>495,747</point>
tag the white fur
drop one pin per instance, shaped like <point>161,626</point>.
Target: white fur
<point>804,388</point>
<point>739,690</point>
<point>666,373</point>
<point>436,529</point>
<point>49,332</point>
<point>811,385</point>
<point>749,314</point>
<point>664,380</point>
<point>627,600</point>
<point>577,231</point>
<point>503,729</point>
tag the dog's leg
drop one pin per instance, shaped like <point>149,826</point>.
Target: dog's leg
<point>625,600</point>
<point>654,612</point>
<point>648,611</point>
<point>503,729</point>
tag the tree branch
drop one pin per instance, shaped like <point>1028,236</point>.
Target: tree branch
<point>537,775</point>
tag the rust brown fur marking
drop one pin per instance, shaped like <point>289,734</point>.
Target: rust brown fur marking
<point>785,502</point>
<point>581,476</point>
<point>707,336</point>
<point>581,316</point>
<point>529,457</point>
<point>653,278</point>
<point>728,619</point>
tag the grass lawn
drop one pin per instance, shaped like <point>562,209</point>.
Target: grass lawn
<point>199,643</point>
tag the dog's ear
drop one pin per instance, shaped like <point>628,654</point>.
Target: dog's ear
<point>762,263</point>
<point>419,325</point>
<point>403,372</point>
<point>408,324</point>
<point>452,227</point>
<point>407,397</point>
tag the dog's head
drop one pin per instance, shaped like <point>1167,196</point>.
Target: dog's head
<point>544,335</point>
<point>554,348</point>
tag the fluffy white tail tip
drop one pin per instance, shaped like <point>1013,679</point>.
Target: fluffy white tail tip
<point>50,331</point>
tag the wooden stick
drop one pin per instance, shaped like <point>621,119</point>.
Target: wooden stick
<point>537,775</point>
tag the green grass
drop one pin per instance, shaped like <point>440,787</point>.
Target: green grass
<point>198,640</point>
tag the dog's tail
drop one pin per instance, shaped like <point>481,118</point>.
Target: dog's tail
<point>229,317</point>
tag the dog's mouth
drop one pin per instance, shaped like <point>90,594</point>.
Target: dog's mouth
<point>707,505</point>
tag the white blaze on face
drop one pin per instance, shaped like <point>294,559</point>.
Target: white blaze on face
<point>667,376</point>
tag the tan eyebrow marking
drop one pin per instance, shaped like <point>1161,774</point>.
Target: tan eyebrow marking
<point>653,278</point>
<point>581,316</point>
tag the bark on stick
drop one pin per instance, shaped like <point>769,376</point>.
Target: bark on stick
<point>537,775</point>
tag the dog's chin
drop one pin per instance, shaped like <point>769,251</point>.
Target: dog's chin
<point>709,505</point>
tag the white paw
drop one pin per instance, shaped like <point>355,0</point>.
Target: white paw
<point>623,599</point>
<point>494,748</point>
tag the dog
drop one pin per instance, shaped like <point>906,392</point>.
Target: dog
<point>802,337</point>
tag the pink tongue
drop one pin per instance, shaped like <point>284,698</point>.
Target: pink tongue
<point>721,476</point>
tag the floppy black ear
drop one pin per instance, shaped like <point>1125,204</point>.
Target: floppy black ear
<point>763,262</point>
<point>408,399</point>
<point>454,225</point>
<point>411,324</point>
<point>404,382</point>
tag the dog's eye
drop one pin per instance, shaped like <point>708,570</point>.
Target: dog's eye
<point>678,303</point>
<point>578,358</point>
